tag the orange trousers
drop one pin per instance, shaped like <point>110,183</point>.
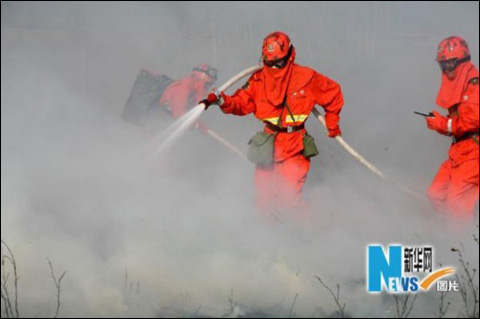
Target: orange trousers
<point>454,190</point>
<point>279,187</point>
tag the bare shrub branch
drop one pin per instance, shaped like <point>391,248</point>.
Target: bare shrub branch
<point>336,298</point>
<point>58,283</point>
<point>403,307</point>
<point>293,305</point>
<point>443,307</point>
<point>467,287</point>
<point>9,309</point>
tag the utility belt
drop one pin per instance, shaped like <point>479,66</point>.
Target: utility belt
<point>262,145</point>
<point>289,129</point>
<point>473,136</point>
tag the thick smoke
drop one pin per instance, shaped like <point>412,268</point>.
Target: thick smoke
<point>181,237</point>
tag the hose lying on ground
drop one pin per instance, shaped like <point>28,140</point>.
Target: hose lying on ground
<point>366,163</point>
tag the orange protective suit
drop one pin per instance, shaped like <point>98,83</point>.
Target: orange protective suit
<point>279,185</point>
<point>455,189</point>
<point>182,95</point>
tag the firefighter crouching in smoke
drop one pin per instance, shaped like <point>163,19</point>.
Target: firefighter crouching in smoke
<point>180,96</point>
<point>455,188</point>
<point>282,95</point>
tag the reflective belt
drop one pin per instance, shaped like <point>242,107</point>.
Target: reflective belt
<point>300,118</point>
<point>297,118</point>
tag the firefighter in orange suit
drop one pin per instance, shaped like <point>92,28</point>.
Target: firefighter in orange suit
<point>454,190</point>
<point>282,95</point>
<point>182,95</point>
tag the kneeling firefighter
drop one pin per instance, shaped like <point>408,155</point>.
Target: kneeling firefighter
<point>454,190</point>
<point>282,95</point>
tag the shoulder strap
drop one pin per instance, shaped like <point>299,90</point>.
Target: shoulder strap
<point>290,113</point>
<point>285,106</point>
<point>279,122</point>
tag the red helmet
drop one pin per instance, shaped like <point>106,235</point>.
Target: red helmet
<point>276,46</point>
<point>453,48</point>
<point>205,73</point>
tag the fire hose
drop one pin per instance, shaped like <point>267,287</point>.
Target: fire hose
<point>239,76</point>
<point>365,162</point>
<point>226,144</point>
